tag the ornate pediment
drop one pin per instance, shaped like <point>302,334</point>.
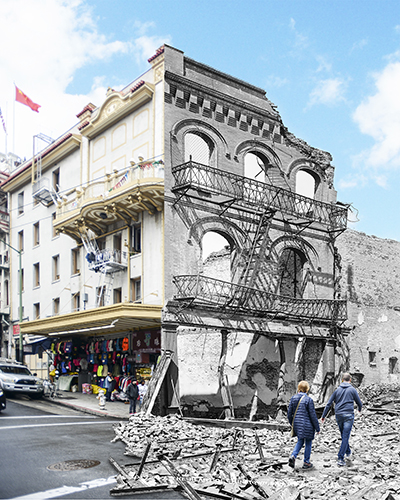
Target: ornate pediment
<point>116,106</point>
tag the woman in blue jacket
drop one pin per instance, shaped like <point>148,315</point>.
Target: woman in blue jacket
<point>301,413</point>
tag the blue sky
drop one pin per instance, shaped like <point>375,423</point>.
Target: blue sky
<point>331,67</point>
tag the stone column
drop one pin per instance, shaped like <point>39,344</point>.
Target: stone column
<point>329,369</point>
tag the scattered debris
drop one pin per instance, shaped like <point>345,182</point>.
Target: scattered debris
<point>235,463</point>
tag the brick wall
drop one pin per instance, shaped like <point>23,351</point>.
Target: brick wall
<point>371,284</point>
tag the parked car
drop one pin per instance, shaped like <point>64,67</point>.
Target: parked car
<point>15,378</point>
<point>3,402</point>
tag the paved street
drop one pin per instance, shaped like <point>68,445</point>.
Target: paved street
<point>37,435</point>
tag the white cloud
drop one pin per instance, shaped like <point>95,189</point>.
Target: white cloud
<point>44,43</point>
<point>379,117</point>
<point>328,92</point>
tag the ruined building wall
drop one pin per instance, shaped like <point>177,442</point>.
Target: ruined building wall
<point>371,284</point>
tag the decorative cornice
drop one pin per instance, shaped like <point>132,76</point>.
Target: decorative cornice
<point>158,53</point>
<point>89,107</point>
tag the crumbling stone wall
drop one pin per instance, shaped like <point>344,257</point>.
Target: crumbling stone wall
<point>371,284</point>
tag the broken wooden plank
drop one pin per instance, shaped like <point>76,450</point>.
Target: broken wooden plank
<point>259,489</point>
<point>132,490</point>
<point>259,447</point>
<point>191,493</point>
<point>156,382</point>
<point>143,461</point>
<point>215,457</point>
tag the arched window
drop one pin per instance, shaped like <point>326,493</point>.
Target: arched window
<point>216,252</point>
<point>198,148</point>
<point>305,184</point>
<point>255,166</point>
<point>291,265</point>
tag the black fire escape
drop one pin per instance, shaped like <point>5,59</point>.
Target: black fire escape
<point>252,206</point>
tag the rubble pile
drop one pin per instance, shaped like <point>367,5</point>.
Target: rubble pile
<point>247,463</point>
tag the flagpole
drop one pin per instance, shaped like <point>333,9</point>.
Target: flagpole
<point>14,119</point>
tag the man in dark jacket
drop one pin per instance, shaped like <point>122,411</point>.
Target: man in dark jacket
<point>132,392</point>
<point>301,414</point>
<point>344,398</point>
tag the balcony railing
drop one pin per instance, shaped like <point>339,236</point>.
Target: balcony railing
<point>107,260</point>
<point>249,192</point>
<point>110,185</point>
<point>209,292</point>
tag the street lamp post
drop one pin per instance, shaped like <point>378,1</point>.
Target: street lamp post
<point>21,346</point>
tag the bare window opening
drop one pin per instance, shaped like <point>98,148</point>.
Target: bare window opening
<point>136,290</point>
<point>117,242</point>
<point>255,167</point>
<point>56,306</point>
<point>216,252</point>
<point>76,302</point>
<point>372,358</point>
<point>305,184</point>
<point>137,238</point>
<point>36,311</point>
<point>36,275</point>
<point>198,148</point>
<point>75,268</point>
<point>21,203</point>
<point>291,267</point>
<point>21,241</point>
<point>393,366</point>
<point>117,295</point>
<point>36,234</point>
<point>56,267</point>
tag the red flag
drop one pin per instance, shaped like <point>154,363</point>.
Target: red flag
<point>24,99</point>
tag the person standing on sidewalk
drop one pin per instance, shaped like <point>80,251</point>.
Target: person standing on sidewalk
<point>344,398</point>
<point>133,393</point>
<point>301,414</point>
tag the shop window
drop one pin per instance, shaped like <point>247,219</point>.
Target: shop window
<point>21,203</point>
<point>21,241</point>
<point>36,311</point>
<point>56,306</point>
<point>393,367</point>
<point>76,302</point>
<point>75,254</point>
<point>36,274</point>
<point>136,290</point>
<point>53,218</point>
<point>372,358</point>
<point>198,148</point>
<point>291,264</point>
<point>117,295</point>
<point>137,238</point>
<point>36,235</point>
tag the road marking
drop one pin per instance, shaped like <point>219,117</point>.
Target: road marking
<point>48,416</point>
<point>7,427</point>
<point>67,490</point>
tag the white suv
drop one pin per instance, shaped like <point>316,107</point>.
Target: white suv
<point>15,378</point>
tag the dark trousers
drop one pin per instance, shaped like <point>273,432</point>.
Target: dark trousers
<point>132,405</point>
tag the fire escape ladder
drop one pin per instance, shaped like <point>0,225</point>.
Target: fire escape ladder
<point>89,241</point>
<point>105,287</point>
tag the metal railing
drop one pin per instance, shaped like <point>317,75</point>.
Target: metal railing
<point>108,260</point>
<point>205,291</point>
<point>249,192</point>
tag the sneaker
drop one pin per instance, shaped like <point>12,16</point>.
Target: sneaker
<point>307,465</point>
<point>292,460</point>
<point>349,456</point>
<point>341,462</point>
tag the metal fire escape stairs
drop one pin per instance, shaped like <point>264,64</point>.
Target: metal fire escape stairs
<point>252,205</point>
<point>98,262</point>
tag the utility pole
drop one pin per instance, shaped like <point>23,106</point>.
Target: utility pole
<point>21,346</point>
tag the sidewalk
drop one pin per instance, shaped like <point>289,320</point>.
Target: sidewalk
<point>88,403</point>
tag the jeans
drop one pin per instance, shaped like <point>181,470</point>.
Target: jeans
<point>307,449</point>
<point>345,424</point>
<point>132,406</point>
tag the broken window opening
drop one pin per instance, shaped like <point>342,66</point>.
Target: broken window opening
<point>291,270</point>
<point>216,255</point>
<point>198,148</point>
<point>255,166</point>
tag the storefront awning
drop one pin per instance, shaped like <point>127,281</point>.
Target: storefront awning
<point>113,319</point>
<point>34,345</point>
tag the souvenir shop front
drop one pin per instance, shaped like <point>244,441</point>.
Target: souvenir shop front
<point>81,364</point>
